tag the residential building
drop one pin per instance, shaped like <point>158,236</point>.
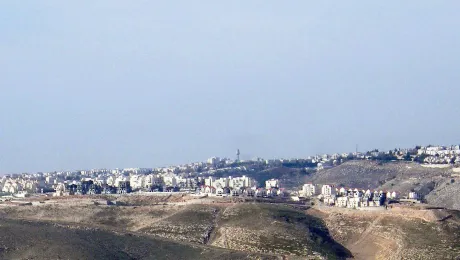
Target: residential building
<point>272,183</point>
<point>328,191</point>
<point>341,202</point>
<point>308,190</point>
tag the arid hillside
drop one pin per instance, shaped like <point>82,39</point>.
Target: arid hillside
<point>277,229</point>
<point>395,234</point>
<point>259,229</point>
<point>371,174</point>
<point>437,185</point>
<point>38,240</point>
<point>205,228</point>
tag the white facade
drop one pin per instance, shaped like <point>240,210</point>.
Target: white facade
<point>210,190</point>
<point>413,196</point>
<point>327,191</point>
<point>240,182</point>
<point>222,182</point>
<point>209,181</point>
<point>12,187</point>
<point>170,180</point>
<point>368,193</point>
<point>308,190</point>
<point>329,201</point>
<point>354,203</point>
<point>49,180</point>
<point>273,183</point>
<point>213,161</point>
<point>342,202</point>
<point>357,193</point>
<point>394,195</point>
<point>137,181</point>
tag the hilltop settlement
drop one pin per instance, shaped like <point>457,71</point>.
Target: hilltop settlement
<point>227,177</point>
<point>398,204</point>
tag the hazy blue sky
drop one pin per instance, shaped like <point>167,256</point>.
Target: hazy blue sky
<point>87,84</point>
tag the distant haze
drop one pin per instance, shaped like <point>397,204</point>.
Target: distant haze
<point>93,84</point>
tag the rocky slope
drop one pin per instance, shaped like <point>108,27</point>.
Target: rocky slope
<point>275,229</point>
<point>413,234</point>
<point>371,174</point>
<point>439,186</point>
<point>446,193</point>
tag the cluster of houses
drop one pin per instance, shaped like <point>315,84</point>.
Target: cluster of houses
<point>440,154</point>
<point>194,177</point>
<point>352,198</point>
<point>227,186</point>
<point>15,186</point>
<point>21,185</point>
<point>122,184</point>
<point>133,180</point>
<point>89,187</point>
<point>240,186</point>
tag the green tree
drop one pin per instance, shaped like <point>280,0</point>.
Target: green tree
<point>407,157</point>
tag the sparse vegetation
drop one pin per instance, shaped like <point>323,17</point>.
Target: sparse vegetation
<point>260,230</point>
<point>394,236</point>
<point>278,229</point>
<point>35,240</point>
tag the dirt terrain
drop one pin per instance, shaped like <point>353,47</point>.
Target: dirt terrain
<point>37,240</point>
<point>183,227</point>
<point>400,233</point>
<point>256,229</point>
<point>276,229</point>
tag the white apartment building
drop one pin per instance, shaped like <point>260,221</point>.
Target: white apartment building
<point>354,202</point>
<point>342,202</point>
<point>357,193</point>
<point>119,179</point>
<point>111,181</point>
<point>170,180</point>
<point>328,191</point>
<point>273,183</point>
<point>12,187</point>
<point>137,181</point>
<point>240,182</point>
<point>49,180</point>
<point>308,190</point>
<point>219,183</point>
<point>392,195</point>
<point>213,161</point>
<point>209,181</point>
<point>368,193</point>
